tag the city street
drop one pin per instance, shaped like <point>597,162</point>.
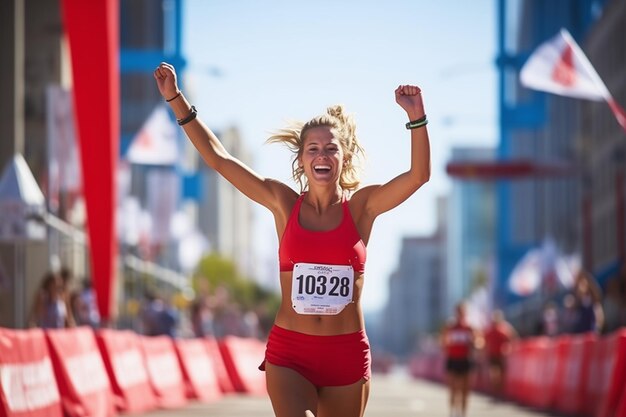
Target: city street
<point>394,395</point>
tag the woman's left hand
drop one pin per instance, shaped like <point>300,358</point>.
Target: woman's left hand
<point>409,97</point>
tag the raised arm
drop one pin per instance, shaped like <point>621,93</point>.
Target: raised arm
<point>381,198</point>
<point>259,189</point>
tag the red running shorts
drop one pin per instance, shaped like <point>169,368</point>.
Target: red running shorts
<point>325,361</point>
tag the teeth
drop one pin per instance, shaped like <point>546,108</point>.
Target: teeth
<point>321,167</point>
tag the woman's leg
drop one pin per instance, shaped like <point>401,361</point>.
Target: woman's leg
<point>291,393</point>
<point>343,401</point>
<point>464,393</point>
<point>451,380</point>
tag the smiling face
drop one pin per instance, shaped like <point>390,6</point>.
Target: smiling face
<point>321,156</point>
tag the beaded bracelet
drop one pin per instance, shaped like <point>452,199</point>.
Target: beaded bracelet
<point>414,124</point>
<point>192,115</point>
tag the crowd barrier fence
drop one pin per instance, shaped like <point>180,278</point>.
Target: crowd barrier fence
<point>79,372</point>
<point>577,375</point>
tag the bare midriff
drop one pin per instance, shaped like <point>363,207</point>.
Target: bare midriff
<point>349,320</point>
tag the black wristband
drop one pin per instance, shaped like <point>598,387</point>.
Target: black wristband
<point>192,115</point>
<point>414,124</point>
<point>173,98</point>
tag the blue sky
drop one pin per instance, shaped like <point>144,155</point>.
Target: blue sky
<point>282,60</point>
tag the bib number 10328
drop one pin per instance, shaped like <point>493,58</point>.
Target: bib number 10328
<point>321,289</point>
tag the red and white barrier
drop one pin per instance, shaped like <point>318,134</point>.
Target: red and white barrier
<point>28,387</point>
<point>83,381</point>
<point>223,379</point>
<point>571,390</point>
<point>165,375</point>
<point>242,357</point>
<point>123,359</point>
<point>198,370</point>
<point>613,364</point>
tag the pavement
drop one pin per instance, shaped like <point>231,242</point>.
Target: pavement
<point>395,394</point>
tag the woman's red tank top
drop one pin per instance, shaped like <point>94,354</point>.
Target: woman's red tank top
<point>339,246</point>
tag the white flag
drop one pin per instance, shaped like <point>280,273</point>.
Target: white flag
<point>560,67</point>
<point>156,142</point>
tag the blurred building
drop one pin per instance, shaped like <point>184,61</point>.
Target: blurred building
<point>541,128</point>
<point>36,113</point>
<point>470,230</point>
<point>416,303</point>
<point>603,148</point>
<point>226,215</point>
<point>34,55</point>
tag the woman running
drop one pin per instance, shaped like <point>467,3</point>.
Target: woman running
<point>317,361</point>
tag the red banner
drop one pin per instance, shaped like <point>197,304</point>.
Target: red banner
<point>28,387</point>
<point>83,380</point>
<point>165,375</point>
<point>198,369</point>
<point>570,396</point>
<point>92,28</point>
<point>242,357</point>
<point>223,379</point>
<point>614,365</point>
<point>124,363</point>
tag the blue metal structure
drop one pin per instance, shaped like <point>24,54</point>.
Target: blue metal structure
<point>525,121</point>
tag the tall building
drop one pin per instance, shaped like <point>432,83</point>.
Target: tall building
<point>471,230</point>
<point>150,35</point>
<point>34,54</point>
<point>603,148</point>
<point>225,214</point>
<point>536,127</point>
<point>415,307</point>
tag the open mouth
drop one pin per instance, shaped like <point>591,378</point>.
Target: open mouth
<point>322,169</point>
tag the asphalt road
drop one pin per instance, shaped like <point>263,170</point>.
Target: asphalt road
<point>396,395</point>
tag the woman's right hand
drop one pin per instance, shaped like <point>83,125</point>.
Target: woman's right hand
<point>165,76</point>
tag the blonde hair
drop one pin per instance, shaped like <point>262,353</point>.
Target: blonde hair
<point>344,129</point>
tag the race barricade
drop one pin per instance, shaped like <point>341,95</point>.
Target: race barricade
<point>570,391</point>
<point>549,367</point>
<point>164,372</point>
<point>514,371</point>
<point>242,357</point>
<point>223,379</point>
<point>533,366</point>
<point>123,360</point>
<point>621,408</point>
<point>613,364</point>
<point>82,378</point>
<point>28,387</point>
<point>481,378</point>
<point>198,370</point>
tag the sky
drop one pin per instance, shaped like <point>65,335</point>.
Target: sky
<point>256,65</point>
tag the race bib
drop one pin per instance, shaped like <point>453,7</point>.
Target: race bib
<point>321,289</point>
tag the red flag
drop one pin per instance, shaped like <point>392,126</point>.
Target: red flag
<point>560,67</point>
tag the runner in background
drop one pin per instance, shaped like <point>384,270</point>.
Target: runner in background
<point>459,340</point>
<point>498,338</point>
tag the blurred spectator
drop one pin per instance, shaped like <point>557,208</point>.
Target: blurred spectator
<point>549,321</point>
<point>157,317</point>
<point>569,314</point>
<point>50,308</point>
<point>84,306</point>
<point>615,301</point>
<point>67,276</point>
<point>202,317</point>
<point>498,337</point>
<point>588,304</point>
